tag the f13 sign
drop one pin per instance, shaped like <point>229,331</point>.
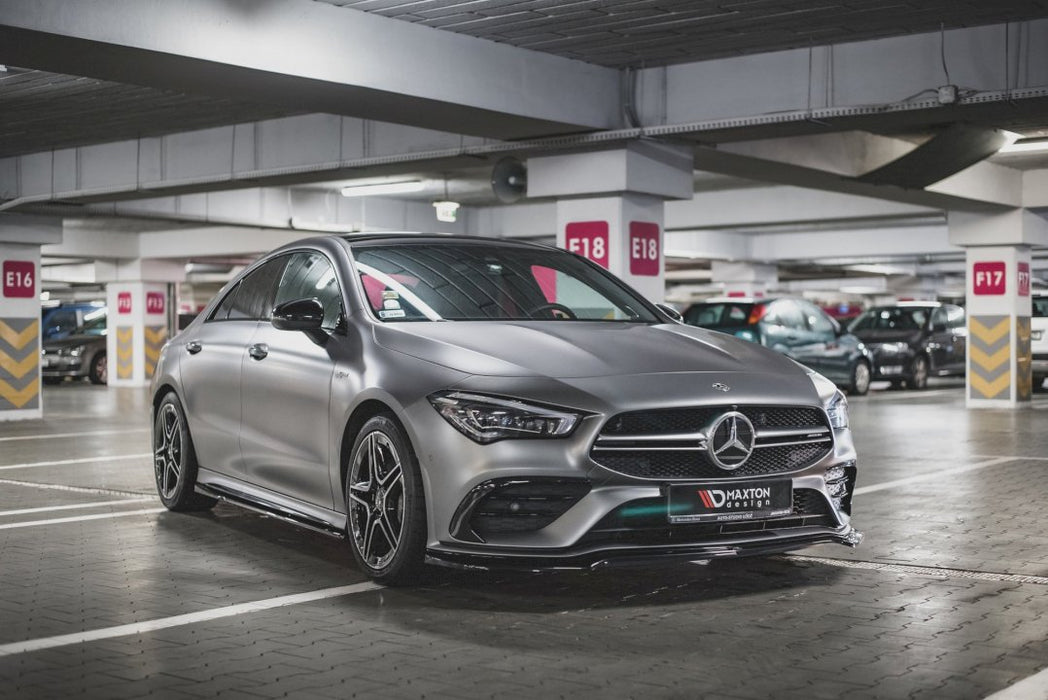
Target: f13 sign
<point>19,277</point>
<point>644,248</point>
<point>123,302</point>
<point>1024,279</point>
<point>589,239</point>
<point>988,278</point>
<point>154,302</point>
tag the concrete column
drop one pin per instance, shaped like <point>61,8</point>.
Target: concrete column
<point>742,279</point>
<point>20,241</point>
<point>141,318</point>
<point>998,303</point>
<point>611,206</point>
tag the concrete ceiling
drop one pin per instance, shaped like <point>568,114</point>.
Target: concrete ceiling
<point>647,33</point>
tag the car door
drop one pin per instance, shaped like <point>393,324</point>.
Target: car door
<point>286,387</point>
<point>958,328</point>
<point>211,365</point>
<point>940,344</point>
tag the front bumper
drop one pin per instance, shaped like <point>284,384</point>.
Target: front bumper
<point>57,366</point>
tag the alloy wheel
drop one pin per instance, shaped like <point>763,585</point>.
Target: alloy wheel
<point>102,369</point>
<point>168,450</point>
<point>861,378</point>
<point>376,493</point>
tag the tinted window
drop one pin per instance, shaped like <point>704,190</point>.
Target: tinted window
<point>954,317</point>
<point>252,298</point>
<point>818,321</point>
<point>1040,307</point>
<point>939,322</point>
<point>311,276</point>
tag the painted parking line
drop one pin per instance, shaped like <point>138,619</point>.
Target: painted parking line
<point>81,518</point>
<point>75,506</point>
<point>1034,687</point>
<point>82,460</point>
<point>937,474</point>
<point>74,489</point>
<point>182,620</point>
<point>45,436</point>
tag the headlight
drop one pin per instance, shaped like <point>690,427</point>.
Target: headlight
<point>837,410</point>
<point>74,351</point>
<point>487,418</point>
<point>891,348</point>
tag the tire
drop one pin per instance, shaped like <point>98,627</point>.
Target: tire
<point>174,460</point>
<point>860,379</point>
<point>385,504</point>
<point>98,372</point>
<point>918,373</point>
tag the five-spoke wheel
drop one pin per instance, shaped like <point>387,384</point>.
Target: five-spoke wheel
<point>174,462</point>
<point>386,514</point>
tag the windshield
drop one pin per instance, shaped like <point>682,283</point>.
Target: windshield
<point>891,318</point>
<point>481,282</point>
<point>714,314</point>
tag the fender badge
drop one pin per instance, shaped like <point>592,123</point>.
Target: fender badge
<point>721,387</point>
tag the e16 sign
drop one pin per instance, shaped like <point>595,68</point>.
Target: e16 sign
<point>19,278</point>
<point>988,278</point>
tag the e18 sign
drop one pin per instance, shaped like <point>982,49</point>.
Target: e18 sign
<point>19,278</point>
<point>588,239</point>
<point>988,278</point>
<point>644,249</point>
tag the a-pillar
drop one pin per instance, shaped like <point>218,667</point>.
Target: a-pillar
<point>20,241</point>
<point>998,303</point>
<point>610,206</point>
<point>142,316</point>
<point>743,279</point>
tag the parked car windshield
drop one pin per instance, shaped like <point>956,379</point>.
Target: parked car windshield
<point>480,282</point>
<point>891,318</point>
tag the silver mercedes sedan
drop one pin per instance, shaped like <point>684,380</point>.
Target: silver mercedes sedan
<point>481,403</point>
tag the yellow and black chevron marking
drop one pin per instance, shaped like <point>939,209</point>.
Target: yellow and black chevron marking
<point>156,336</point>
<point>1023,359</point>
<point>990,350</point>
<point>125,352</point>
<point>19,363</point>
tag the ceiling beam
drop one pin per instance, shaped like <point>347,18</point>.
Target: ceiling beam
<point>314,56</point>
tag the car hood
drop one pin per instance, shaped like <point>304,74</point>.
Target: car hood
<point>73,340</point>
<point>561,349</point>
<point>887,336</point>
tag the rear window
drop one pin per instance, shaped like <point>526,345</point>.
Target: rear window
<point>717,314</point>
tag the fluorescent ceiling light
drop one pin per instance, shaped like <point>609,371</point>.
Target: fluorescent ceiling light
<point>1027,146</point>
<point>378,188</point>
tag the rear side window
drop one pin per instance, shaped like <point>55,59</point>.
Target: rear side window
<point>718,314</point>
<point>252,298</point>
<point>786,313</point>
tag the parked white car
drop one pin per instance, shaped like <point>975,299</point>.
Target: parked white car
<point>1039,338</point>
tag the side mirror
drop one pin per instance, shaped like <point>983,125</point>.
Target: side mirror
<point>671,312</point>
<point>299,315</point>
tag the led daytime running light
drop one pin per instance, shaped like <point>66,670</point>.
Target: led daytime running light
<point>486,419</point>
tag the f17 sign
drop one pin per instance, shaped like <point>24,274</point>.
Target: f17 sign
<point>1024,279</point>
<point>988,278</point>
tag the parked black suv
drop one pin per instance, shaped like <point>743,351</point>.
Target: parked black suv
<point>794,327</point>
<point>911,341</point>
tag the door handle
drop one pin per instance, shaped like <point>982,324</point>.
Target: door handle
<point>193,347</point>
<point>258,351</point>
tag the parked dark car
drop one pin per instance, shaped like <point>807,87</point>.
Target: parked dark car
<point>80,354</point>
<point>911,341</point>
<point>794,327</point>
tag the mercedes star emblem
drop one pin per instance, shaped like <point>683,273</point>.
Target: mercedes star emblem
<point>731,440</point>
<point>721,387</point>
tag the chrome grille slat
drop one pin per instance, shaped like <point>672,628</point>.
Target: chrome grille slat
<point>654,444</point>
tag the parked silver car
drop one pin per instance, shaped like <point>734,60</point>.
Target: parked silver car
<point>473,402</point>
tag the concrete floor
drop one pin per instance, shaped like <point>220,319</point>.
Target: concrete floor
<point>104,594</point>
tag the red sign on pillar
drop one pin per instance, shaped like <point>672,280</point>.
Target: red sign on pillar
<point>988,278</point>
<point>154,302</point>
<point>19,277</point>
<point>1024,279</point>
<point>123,302</point>
<point>589,239</point>
<point>645,253</point>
